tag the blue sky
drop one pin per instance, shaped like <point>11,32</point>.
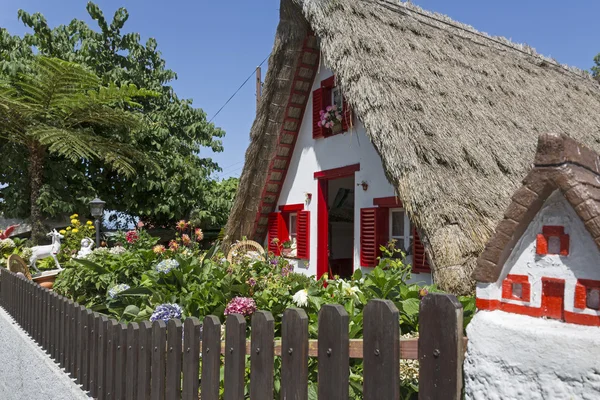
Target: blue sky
<point>214,45</point>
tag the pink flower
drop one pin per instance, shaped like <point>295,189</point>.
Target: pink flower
<point>241,305</point>
<point>181,225</point>
<point>185,239</point>
<point>320,123</point>
<point>173,245</point>
<point>328,108</point>
<point>132,236</point>
<point>140,224</point>
<point>159,249</point>
<point>199,234</point>
<point>321,112</point>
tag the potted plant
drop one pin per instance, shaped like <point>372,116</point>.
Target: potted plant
<point>331,118</point>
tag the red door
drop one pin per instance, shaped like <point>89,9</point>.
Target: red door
<point>553,298</point>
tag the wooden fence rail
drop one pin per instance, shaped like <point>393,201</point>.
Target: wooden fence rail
<point>161,361</point>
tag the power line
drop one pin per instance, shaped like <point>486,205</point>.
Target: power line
<point>238,89</point>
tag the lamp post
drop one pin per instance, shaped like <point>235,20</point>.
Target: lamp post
<point>97,211</point>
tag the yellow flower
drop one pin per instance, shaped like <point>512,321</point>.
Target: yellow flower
<point>62,231</point>
<point>74,216</point>
<point>74,222</point>
<point>89,223</point>
<point>68,228</point>
<point>75,230</point>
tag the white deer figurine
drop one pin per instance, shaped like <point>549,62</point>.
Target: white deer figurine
<point>39,252</point>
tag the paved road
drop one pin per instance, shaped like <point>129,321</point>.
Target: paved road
<point>27,372</point>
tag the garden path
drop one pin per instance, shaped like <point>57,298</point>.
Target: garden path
<point>27,372</point>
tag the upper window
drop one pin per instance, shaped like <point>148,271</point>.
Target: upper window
<point>552,240</point>
<point>400,229</point>
<point>331,113</point>
<point>293,230</point>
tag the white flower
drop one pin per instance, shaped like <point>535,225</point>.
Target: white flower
<point>117,250</point>
<point>7,244</point>
<point>301,298</point>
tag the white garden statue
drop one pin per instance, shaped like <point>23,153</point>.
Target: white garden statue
<point>50,250</point>
<point>86,248</point>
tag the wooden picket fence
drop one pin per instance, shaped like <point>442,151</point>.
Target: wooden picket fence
<point>159,361</point>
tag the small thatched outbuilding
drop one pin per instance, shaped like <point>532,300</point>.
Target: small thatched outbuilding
<point>454,115</point>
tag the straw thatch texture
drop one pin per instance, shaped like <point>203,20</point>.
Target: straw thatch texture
<point>454,114</point>
<point>291,32</point>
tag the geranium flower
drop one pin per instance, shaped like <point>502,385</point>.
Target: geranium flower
<point>251,282</point>
<point>115,290</point>
<point>241,305</point>
<point>173,245</point>
<point>301,298</point>
<point>181,225</point>
<point>159,249</point>
<point>185,239</point>
<point>165,266</point>
<point>132,236</point>
<point>166,312</point>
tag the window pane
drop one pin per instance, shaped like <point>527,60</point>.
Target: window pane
<point>593,299</point>
<point>398,224</point>
<point>293,225</point>
<point>517,290</point>
<point>554,245</point>
<point>336,98</point>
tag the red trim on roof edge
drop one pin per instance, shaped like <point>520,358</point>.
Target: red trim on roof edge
<point>390,202</point>
<point>291,207</point>
<point>337,172</point>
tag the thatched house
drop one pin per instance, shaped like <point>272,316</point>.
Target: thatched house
<point>443,117</point>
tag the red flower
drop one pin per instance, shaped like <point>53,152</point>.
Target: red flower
<point>132,236</point>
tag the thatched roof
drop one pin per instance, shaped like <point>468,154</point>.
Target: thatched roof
<point>454,113</point>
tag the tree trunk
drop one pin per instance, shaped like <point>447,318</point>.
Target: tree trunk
<point>36,171</point>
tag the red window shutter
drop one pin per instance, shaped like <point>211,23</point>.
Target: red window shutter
<point>580,296</point>
<point>303,235</point>
<point>318,131</point>
<point>346,116</point>
<point>372,234</point>
<point>420,262</point>
<point>276,228</point>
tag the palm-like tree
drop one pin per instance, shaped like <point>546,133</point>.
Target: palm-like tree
<point>61,108</point>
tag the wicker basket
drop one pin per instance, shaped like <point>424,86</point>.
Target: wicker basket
<point>246,249</point>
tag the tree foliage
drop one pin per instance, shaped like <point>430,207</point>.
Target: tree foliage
<point>174,137</point>
<point>596,67</point>
<point>60,108</point>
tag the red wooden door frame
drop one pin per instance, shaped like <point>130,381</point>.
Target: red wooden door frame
<point>323,178</point>
<point>553,298</point>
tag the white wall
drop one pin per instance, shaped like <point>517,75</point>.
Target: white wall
<point>581,263</point>
<point>514,356</point>
<point>312,155</point>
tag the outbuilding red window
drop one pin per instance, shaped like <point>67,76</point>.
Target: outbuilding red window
<point>587,294</point>
<point>552,240</point>
<point>290,225</point>
<point>516,287</point>
<point>386,221</point>
<point>327,95</point>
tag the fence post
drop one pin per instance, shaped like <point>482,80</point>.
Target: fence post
<point>102,346</point>
<point>112,336</point>
<point>144,360</point>
<point>440,347</point>
<point>235,356</point>
<point>211,358</point>
<point>191,358</point>
<point>173,388</point>
<point>294,354</point>
<point>86,348</point>
<point>262,356</point>
<point>120,377</point>
<point>80,346</point>
<point>93,327</point>
<point>159,341</point>
<point>381,351</point>
<point>133,344</point>
<point>333,353</point>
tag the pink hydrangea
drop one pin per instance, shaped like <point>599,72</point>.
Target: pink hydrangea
<point>132,236</point>
<point>241,305</point>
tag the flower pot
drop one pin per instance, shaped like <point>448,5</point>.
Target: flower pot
<point>337,128</point>
<point>46,279</point>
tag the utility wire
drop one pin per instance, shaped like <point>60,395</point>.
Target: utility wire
<point>240,88</point>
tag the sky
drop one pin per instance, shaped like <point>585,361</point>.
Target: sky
<point>214,46</point>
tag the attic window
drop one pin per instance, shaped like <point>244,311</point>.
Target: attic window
<point>516,287</point>
<point>325,97</point>
<point>552,240</point>
<point>593,299</point>
<point>587,294</point>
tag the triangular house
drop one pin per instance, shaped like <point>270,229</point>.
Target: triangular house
<point>439,124</point>
<point>542,261</point>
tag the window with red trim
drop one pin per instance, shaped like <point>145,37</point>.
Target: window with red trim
<point>288,232</point>
<point>329,94</point>
<point>587,294</point>
<point>516,287</point>
<point>391,222</point>
<point>552,240</point>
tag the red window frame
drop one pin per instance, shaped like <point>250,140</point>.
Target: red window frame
<point>549,231</point>
<point>581,290</point>
<point>278,228</point>
<point>322,99</point>
<point>507,288</point>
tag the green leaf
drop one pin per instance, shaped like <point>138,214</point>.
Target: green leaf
<point>410,306</point>
<point>131,311</point>
<point>138,291</point>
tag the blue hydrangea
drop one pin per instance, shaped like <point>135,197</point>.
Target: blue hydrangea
<point>115,290</point>
<point>165,266</point>
<point>166,312</point>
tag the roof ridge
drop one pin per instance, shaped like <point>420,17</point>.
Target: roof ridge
<point>500,40</point>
